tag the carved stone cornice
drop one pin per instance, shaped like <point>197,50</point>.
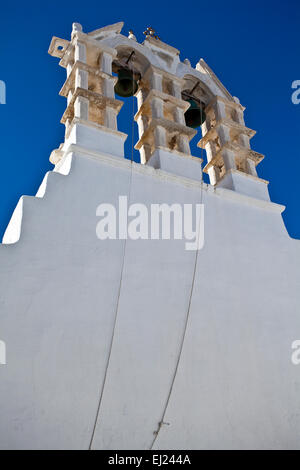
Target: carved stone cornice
<point>230,104</point>
<point>170,102</point>
<point>70,82</point>
<point>170,126</point>
<point>217,160</point>
<point>101,101</point>
<point>232,125</point>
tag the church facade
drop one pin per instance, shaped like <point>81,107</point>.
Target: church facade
<point>136,342</point>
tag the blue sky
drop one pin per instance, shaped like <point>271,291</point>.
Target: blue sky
<point>252,46</point>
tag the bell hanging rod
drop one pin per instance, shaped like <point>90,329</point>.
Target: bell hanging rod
<point>122,63</point>
<point>188,96</point>
<point>194,88</point>
<point>130,57</point>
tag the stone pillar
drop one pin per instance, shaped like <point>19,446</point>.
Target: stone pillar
<point>108,88</point>
<point>81,108</point>
<point>81,105</point>
<point>156,81</point>
<point>110,113</point>
<point>183,144</point>
<point>69,68</point>
<point>240,117</point>
<point>106,63</point>
<point>228,155</point>
<point>213,172</point>
<point>160,117</point>
<point>244,141</point>
<point>91,114</point>
<point>81,79</point>
<point>176,89</point>
<point>157,108</point>
<point>229,159</point>
<point>160,136</point>
<point>224,134</point>
<point>220,110</point>
<point>79,51</point>
<point>251,169</point>
<point>142,122</point>
<point>145,153</point>
<point>179,116</point>
<point>141,96</point>
<point>110,120</point>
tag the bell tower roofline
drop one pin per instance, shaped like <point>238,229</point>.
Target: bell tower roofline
<point>166,89</point>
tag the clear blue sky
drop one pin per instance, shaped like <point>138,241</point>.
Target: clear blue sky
<point>252,46</point>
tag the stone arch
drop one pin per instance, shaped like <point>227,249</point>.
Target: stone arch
<point>129,56</point>
<point>138,61</point>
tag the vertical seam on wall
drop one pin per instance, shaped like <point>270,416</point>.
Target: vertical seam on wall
<point>161,422</point>
<point>118,298</point>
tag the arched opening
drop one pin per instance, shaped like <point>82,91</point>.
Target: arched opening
<point>198,94</point>
<point>129,65</point>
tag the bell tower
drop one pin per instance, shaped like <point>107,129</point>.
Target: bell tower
<point>90,118</point>
<point>174,100</point>
<point>148,344</point>
<point>230,161</point>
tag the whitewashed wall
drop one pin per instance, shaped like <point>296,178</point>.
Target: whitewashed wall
<point>236,386</point>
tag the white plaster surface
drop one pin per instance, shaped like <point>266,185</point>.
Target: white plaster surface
<point>236,386</point>
<point>245,184</point>
<point>179,164</point>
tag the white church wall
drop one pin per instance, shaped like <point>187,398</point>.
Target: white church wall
<point>59,288</point>
<point>124,345</point>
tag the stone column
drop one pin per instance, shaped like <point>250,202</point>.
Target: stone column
<point>157,108</point>
<point>220,110</point>
<point>240,117</point>
<point>228,155</point>
<point>179,116</point>
<point>244,141</point>
<point>156,81</point>
<point>107,82</point>
<point>110,119</point>
<point>160,137</point>
<point>176,89</point>
<point>79,51</point>
<point>108,88</point>
<point>251,169</point>
<point>142,122</point>
<point>81,108</point>
<point>105,65</point>
<point>184,144</point>
<point>81,79</point>
<point>213,174</point>
<point>81,105</point>
<point>145,153</point>
<point>69,68</point>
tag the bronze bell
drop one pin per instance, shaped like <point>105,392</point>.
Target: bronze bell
<point>195,115</point>
<point>126,85</point>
